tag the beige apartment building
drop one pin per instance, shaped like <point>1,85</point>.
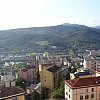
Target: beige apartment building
<point>49,77</point>
<point>83,89</point>
<point>92,61</point>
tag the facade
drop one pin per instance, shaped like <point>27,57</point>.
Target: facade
<point>92,61</point>
<point>44,66</point>
<point>56,60</point>
<point>95,53</point>
<point>7,80</point>
<point>83,89</point>
<point>50,77</point>
<point>29,73</point>
<point>12,93</point>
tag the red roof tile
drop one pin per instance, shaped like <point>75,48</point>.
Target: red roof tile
<point>81,82</point>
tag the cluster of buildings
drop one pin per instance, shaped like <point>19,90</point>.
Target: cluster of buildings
<point>85,83</point>
<point>46,72</point>
<point>29,73</point>
<point>51,70</point>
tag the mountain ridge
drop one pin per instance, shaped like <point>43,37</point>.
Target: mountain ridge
<point>97,27</point>
<point>66,36</point>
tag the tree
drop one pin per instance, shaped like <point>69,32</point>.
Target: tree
<point>58,93</point>
<point>68,75</point>
<point>35,96</point>
<point>17,67</point>
<point>21,82</point>
<point>74,69</point>
<point>69,69</point>
<point>44,93</point>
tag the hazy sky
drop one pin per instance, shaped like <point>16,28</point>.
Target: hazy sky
<point>31,13</point>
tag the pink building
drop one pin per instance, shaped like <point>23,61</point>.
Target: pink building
<point>29,73</point>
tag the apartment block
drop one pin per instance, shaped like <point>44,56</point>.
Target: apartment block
<point>92,61</point>
<point>82,89</point>
<point>49,77</point>
<point>29,73</point>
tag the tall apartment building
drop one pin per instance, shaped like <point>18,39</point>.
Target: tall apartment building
<point>49,77</point>
<point>29,73</point>
<point>83,89</point>
<point>92,61</point>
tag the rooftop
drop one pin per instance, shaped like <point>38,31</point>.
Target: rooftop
<point>7,77</point>
<point>6,92</point>
<point>54,68</point>
<point>82,73</point>
<point>28,67</point>
<point>83,82</point>
<point>46,65</point>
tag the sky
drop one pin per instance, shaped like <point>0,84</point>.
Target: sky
<point>38,13</point>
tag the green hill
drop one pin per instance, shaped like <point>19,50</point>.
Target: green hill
<point>65,36</point>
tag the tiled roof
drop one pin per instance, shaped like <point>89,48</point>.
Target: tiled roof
<point>54,68</point>
<point>10,91</point>
<point>82,82</point>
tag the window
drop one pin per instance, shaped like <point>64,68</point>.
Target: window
<point>69,90</point>
<point>81,97</point>
<point>86,90</point>
<point>66,87</point>
<point>99,94</point>
<point>66,93</point>
<point>13,98</point>
<point>86,96</point>
<point>45,79</point>
<point>80,91</point>
<point>92,95</point>
<point>92,89</point>
<point>69,95</point>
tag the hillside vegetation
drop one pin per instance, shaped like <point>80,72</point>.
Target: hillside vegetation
<point>63,37</point>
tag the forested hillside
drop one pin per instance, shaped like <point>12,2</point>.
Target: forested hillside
<point>64,37</point>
